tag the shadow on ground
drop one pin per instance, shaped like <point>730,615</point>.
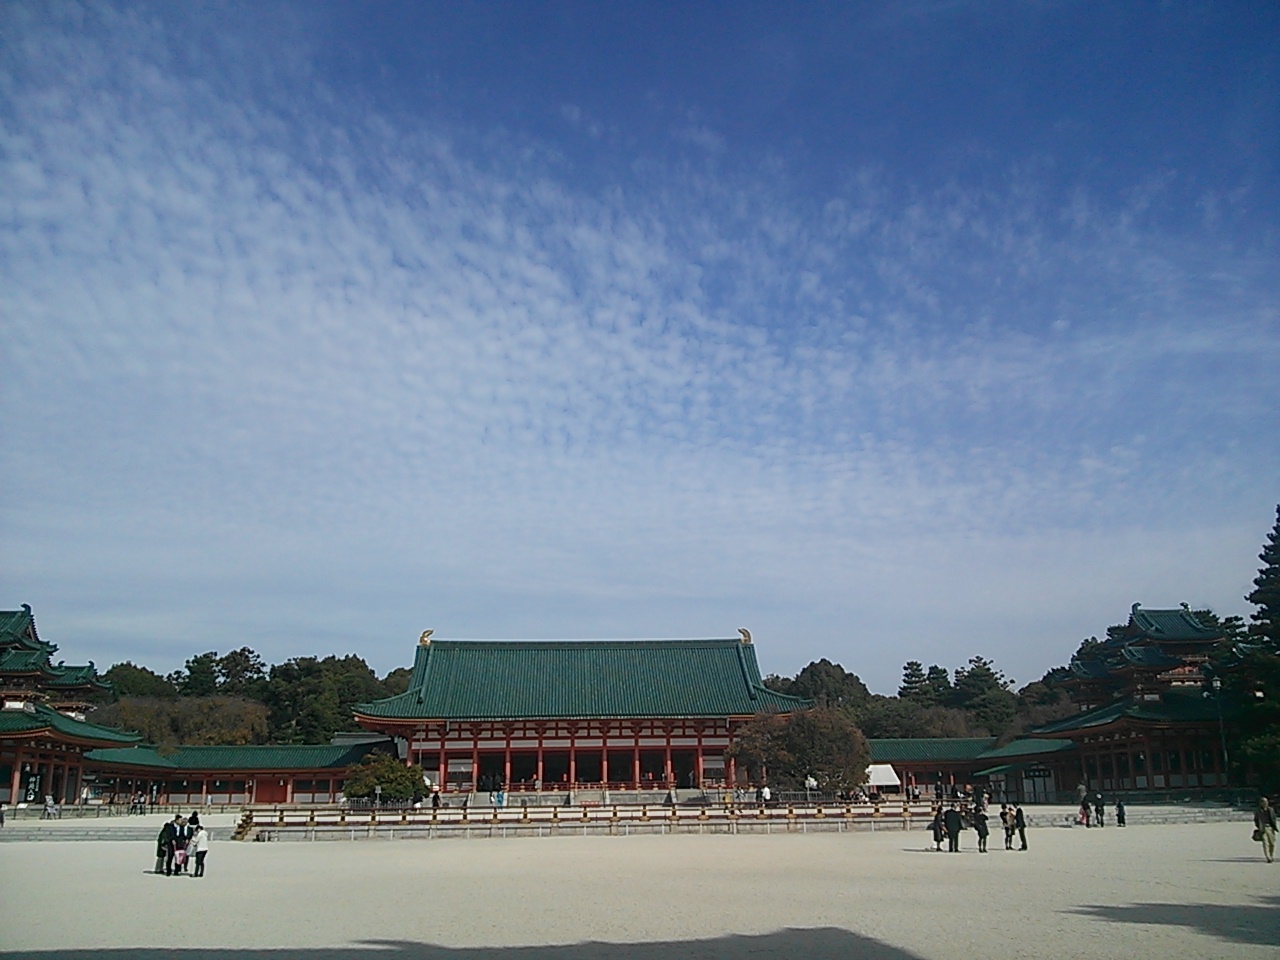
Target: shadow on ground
<point>1256,923</point>
<point>820,943</point>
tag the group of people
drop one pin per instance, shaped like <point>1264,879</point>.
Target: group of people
<point>183,841</point>
<point>948,823</point>
<point>1093,811</point>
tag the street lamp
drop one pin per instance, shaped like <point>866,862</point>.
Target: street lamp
<point>1222,730</point>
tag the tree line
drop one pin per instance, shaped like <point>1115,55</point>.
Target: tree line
<point>237,698</point>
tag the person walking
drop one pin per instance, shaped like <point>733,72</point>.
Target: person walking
<point>980,825</point>
<point>937,829</point>
<point>951,819</point>
<point>198,849</point>
<point>1264,822</point>
<point>1119,813</point>
<point>1098,809</point>
<point>1020,824</point>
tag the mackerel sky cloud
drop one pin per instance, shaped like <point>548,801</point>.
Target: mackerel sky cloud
<point>887,331</point>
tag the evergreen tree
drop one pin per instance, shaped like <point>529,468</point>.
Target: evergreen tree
<point>913,681</point>
<point>830,685</point>
<point>241,673</point>
<point>1266,593</point>
<point>128,680</point>
<point>201,676</point>
<point>937,687</point>
<point>398,781</point>
<point>983,692</point>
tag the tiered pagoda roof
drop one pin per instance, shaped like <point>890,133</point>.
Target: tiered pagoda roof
<point>1152,651</point>
<point>580,679</point>
<point>26,668</point>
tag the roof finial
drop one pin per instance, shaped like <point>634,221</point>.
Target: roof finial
<point>1185,606</point>
<point>425,639</point>
<point>746,634</point>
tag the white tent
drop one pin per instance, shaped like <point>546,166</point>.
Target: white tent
<point>882,775</point>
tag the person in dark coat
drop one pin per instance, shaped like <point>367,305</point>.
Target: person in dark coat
<point>980,825</point>
<point>1098,809</point>
<point>170,838</point>
<point>951,819</point>
<point>1020,824</point>
<point>1119,813</point>
<point>938,830</point>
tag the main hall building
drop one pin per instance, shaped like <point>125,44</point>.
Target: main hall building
<point>609,714</point>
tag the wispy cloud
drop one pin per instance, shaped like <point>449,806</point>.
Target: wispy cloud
<point>316,372</point>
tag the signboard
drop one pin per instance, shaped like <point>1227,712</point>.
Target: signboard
<point>1037,773</point>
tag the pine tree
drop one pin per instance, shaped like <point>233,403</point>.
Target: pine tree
<point>913,681</point>
<point>1266,596</point>
<point>937,685</point>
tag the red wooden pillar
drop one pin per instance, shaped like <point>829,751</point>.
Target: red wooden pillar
<point>15,780</point>
<point>506,759</point>
<point>635,759</point>
<point>542,732</point>
<point>604,754</point>
<point>573,755</point>
<point>475,758</point>
<point>442,775</point>
<point>667,772</point>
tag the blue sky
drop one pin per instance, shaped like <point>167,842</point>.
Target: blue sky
<point>888,331</point>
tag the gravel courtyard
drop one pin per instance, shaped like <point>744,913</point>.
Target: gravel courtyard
<point>1154,891</point>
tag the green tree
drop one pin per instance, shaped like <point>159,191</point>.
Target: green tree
<point>914,681</point>
<point>937,686</point>
<point>398,781</point>
<point>825,744</point>
<point>397,681</point>
<point>241,673</point>
<point>1265,595</point>
<point>200,678</point>
<point>129,680</point>
<point>897,717</point>
<point>828,684</point>
<point>822,742</point>
<point>983,692</point>
<point>310,699</point>
<point>171,721</point>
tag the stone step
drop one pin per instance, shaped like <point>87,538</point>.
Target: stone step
<point>23,834</point>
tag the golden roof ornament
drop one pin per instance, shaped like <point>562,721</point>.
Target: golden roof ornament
<point>425,639</point>
<point>746,634</point>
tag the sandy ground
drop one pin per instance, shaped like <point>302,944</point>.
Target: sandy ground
<point>1198,890</point>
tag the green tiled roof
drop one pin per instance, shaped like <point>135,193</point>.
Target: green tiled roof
<point>244,758</point>
<point>17,660</point>
<point>23,652</point>
<point>1174,706</point>
<point>1150,657</point>
<point>582,679</point>
<point>139,756</point>
<point>1180,624</point>
<point>39,717</point>
<point>1029,747</point>
<point>929,749</point>
<point>19,627</point>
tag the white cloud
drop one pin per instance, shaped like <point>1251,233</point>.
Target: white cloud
<point>319,375</point>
